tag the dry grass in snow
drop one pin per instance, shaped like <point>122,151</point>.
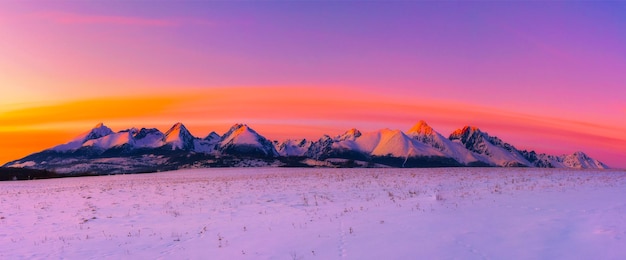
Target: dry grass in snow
<point>274,213</point>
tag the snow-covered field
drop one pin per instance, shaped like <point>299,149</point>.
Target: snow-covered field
<point>280,213</point>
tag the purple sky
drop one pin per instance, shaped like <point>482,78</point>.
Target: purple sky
<point>558,61</point>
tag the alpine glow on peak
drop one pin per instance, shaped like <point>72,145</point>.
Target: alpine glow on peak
<point>95,151</point>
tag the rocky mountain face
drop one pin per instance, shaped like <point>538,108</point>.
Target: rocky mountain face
<point>423,133</point>
<point>294,148</point>
<point>577,160</point>
<point>242,140</point>
<point>488,148</point>
<point>102,151</point>
<point>179,138</point>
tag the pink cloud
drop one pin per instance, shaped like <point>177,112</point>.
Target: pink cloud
<point>72,18</point>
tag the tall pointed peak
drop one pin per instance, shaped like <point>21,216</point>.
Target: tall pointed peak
<point>178,125</point>
<point>580,154</point>
<point>179,137</point>
<point>350,134</point>
<point>98,131</point>
<point>244,128</point>
<point>581,160</point>
<point>239,129</point>
<point>236,127</point>
<point>239,125</point>
<point>422,123</point>
<point>464,133</point>
<point>421,128</point>
<point>213,136</point>
<point>243,139</point>
<point>354,132</point>
<point>471,128</point>
<point>100,127</point>
<point>178,131</point>
<point>468,129</point>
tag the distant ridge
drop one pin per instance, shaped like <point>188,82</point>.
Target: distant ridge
<point>102,151</point>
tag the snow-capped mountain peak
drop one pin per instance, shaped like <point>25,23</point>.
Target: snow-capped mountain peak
<point>488,148</point>
<point>577,160</point>
<point>349,135</point>
<point>142,150</point>
<point>293,147</point>
<point>234,128</point>
<point>464,132</point>
<point>425,134</point>
<point>468,135</point>
<point>132,131</point>
<point>179,137</point>
<point>384,142</point>
<point>98,131</point>
<point>580,160</point>
<point>118,139</point>
<point>240,134</point>
<point>421,128</point>
<point>148,138</point>
<point>393,143</point>
<point>212,137</point>
<point>242,139</point>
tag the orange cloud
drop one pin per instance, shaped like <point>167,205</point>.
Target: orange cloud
<point>100,109</point>
<point>280,112</point>
<point>14,145</point>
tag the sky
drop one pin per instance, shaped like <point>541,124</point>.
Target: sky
<point>546,76</point>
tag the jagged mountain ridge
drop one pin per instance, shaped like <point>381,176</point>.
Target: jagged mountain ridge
<point>423,133</point>
<point>100,130</point>
<point>489,148</point>
<point>291,147</point>
<point>243,140</point>
<point>577,160</point>
<point>101,150</point>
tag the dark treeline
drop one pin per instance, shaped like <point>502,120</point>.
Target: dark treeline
<point>9,174</point>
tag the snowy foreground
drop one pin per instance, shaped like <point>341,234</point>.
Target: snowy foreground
<point>279,213</point>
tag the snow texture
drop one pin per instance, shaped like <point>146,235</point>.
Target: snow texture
<point>100,130</point>
<point>278,213</point>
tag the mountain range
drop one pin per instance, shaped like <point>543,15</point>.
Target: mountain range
<point>103,151</point>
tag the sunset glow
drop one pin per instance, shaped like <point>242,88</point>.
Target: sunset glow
<point>547,76</point>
